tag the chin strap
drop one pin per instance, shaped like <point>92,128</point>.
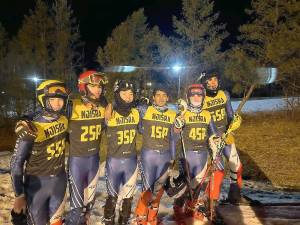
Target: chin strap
<point>195,109</point>
<point>161,109</point>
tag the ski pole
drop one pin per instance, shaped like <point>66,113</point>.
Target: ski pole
<point>186,167</point>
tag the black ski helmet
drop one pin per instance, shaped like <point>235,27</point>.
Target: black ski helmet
<point>123,85</point>
<point>122,107</point>
<point>204,77</point>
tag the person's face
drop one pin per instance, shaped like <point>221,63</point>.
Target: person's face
<point>127,96</point>
<point>95,90</point>
<point>56,104</point>
<point>196,99</point>
<point>213,83</point>
<point>160,98</point>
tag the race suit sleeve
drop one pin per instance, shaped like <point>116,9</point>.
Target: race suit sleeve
<point>21,153</point>
<point>229,110</point>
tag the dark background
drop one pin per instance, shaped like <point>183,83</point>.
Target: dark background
<point>97,18</point>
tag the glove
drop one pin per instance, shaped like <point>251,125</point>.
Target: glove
<point>175,187</point>
<point>172,163</point>
<point>229,139</point>
<point>144,100</point>
<point>18,218</point>
<point>216,144</point>
<point>235,123</point>
<point>179,122</point>
<point>25,128</point>
<point>213,145</point>
<point>182,106</point>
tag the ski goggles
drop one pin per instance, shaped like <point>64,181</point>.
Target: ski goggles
<point>198,92</point>
<point>94,79</point>
<point>56,90</point>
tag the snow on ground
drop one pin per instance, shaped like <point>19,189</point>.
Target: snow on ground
<point>256,105</point>
<point>261,191</point>
<point>261,105</point>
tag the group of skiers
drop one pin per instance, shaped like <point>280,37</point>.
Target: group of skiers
<point>39,178</point>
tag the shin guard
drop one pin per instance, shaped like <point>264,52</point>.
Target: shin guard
<point>153,210</point>
<point>215,183</point>
<point>141,210</point>
<point>58,222</point>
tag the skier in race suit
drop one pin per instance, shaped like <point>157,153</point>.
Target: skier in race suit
<point>86,120</point>
<point>121,163</point>
<point>218,103</point>
<point>86,117</point>
<point>158,151</point>
<point>198,128</point>
<point>40,188</point>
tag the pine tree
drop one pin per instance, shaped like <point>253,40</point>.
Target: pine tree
<point>35,38</point>
<point>19,92</point>
<point>122,48</point>
<point>133,42</point>
<point>3,42</point>
<point>240,70</point>
<point>66,43</point>
<point>3,78</point>
<point>198,37</point>
<point>272,37</point>
<point>156,53</point>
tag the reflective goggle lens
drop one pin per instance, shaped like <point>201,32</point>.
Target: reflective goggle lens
<point>198,92</point>
<point>57,90</point>
<point>95,79</point>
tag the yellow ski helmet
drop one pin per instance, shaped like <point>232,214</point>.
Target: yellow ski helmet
<point>51,89</point>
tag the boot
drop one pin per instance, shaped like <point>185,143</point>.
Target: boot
<point>125,213</point>
<point>195,209</point>
<point>235,197</point>
<point>109,210</point>
<point>234,194</point>
<point>179,214</point>
<point>18,218</point>
<point>153,209</point>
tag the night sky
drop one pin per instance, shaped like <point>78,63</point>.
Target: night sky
<point>97,18</point>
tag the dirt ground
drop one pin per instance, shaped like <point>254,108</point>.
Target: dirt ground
<point>269,146</point>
